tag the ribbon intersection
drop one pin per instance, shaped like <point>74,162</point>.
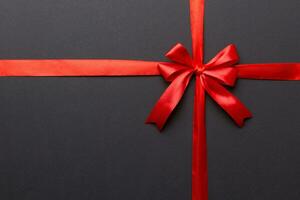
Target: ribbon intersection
<point>214,75</point>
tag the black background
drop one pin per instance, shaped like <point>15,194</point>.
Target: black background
<point>85,138</point>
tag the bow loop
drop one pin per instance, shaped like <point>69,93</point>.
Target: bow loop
<point>227,57</point>
<point>224,75</point>
<point>179,54</point>
<point>221,66</point>
<point>171,71</point>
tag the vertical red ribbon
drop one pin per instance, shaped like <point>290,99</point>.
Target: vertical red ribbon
<point>199,149</point>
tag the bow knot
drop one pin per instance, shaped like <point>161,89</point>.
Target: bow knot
<point>217,72</point>
<point>199,70</point>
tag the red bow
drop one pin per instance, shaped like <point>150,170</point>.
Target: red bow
<point>213,75</point>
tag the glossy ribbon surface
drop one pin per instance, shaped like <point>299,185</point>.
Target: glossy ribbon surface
<point>81,67</point>
<point>211,78</point>
<point>213,75</point>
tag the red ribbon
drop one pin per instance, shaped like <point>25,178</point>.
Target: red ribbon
<point>211,78</point>
<point>219,71</point>
<point>82,67</point>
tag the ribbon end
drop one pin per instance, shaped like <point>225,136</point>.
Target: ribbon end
<point>156,124</point>
<point>242,121</point>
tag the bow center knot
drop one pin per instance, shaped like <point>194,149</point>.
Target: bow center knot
<point>199,70</point>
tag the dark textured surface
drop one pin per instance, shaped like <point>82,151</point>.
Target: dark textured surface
<point>84,138</point>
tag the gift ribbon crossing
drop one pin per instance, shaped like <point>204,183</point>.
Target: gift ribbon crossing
<point>212,78</point>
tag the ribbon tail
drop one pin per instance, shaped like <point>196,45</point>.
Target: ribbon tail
<point>274,71</point>
<point>169,100</point>
<point>199,161</point>
<point>231,104</point>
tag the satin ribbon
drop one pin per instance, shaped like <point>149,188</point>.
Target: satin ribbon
<point>211,78</point>
<point>213,75</point>
<point>81,67</point>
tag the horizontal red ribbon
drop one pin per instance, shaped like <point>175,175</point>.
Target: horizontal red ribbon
<point>102,67</point>
<point>80,67</point>
<point>271,71</point>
